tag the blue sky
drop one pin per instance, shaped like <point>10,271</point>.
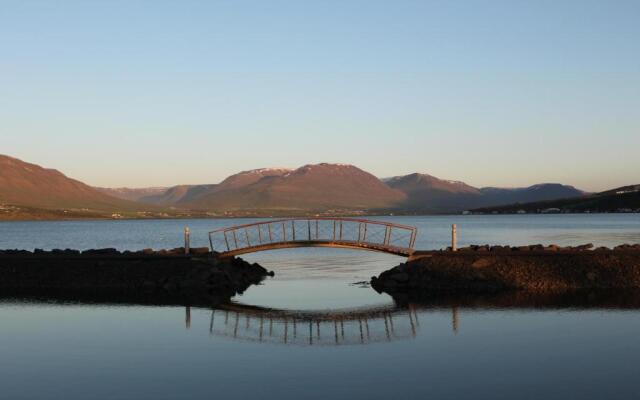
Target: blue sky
<point>500,93</point>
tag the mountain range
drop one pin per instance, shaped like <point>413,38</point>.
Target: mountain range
<point>30,185</point>
<point>318,188</point>
<point>323,187</point>
<point>622,199</point>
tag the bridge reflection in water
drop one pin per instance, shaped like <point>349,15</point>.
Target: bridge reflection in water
<point>309,328</point>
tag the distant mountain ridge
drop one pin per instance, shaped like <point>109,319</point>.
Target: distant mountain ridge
<point>26,184</point>
<point>345,187</point>
<point>132,194</point>
<point>313,188</point>
<point>538,192</point>
<point>317,187</point>
<point>176,195</point>
<point>428,194</point>
<point>622,199</point>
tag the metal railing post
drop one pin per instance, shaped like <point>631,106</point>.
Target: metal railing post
<point>293,229</point>
<point>454,237</point>
<point>414,233</point>
<point>187,240</point>
<point>225,240</point>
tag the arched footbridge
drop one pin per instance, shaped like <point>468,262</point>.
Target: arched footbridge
<point>351,233</point>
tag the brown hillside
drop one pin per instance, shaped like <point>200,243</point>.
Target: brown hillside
<point>28,184</point>
<point>312,187</point>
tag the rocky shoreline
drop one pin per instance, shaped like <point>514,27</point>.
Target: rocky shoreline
<point>498,268</point>
<point>171,277</point>
<point>165,276</point>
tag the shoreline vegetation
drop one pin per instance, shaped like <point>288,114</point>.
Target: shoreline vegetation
<point>22,213</point>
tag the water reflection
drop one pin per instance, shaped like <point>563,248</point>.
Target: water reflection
<point>393,322</point>
<point>314,328</point>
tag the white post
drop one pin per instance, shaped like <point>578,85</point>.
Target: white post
<point>454,238</point>
<point>187,240</point>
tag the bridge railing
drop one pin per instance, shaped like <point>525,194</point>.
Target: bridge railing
<point>378,235</point>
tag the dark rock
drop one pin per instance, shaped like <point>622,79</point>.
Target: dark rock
<point>107,251</point>
<point>177,251</point>
<point>400,277</point>
<point>482,263</point>
<point>518,270</point>
<point>111,273</point>
<point>149,284</point>
<point>199,251</point>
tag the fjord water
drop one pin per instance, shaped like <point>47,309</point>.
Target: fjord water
<point>316,330</point>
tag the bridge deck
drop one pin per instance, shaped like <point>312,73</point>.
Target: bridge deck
<point>314,232</point>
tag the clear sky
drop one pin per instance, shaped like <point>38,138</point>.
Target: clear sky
<point>501,93</point>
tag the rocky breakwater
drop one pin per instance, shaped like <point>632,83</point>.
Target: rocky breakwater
<point>165,276</point>
<point>496,268</point>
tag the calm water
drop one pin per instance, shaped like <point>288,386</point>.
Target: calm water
<point>313,331</point>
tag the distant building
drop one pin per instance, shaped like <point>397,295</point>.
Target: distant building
<point>466,212</point>
<point>521,212</point>
<point>551,210</point>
